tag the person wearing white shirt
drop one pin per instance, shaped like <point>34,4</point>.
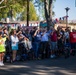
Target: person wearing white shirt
<point>44,44</point>
<point>14,44</point>
<point>66,36</point>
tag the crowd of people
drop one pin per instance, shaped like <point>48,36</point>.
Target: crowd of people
<point>35,43</point>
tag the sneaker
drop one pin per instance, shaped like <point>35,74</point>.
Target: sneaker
<point>51,56</point>
<point>39,58</point>
<point>13,61</point>
<point>54,56</point>
<point>1,64</point>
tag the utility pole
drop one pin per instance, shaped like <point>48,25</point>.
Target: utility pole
<point>27,12</point>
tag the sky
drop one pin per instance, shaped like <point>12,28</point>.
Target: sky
<point>59,9</point>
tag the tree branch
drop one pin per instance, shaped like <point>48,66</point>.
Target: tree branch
<point>2,7</point>
<point>1,1</point>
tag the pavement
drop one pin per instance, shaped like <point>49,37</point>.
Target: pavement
<point>59,66</point>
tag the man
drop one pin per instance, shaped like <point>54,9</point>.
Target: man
<point>73,40</point>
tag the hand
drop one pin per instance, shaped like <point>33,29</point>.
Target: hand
<point>1,42</point>
<point>37,30</point>
<point>26,38</point>
<point>13,42</point>
<point>4,34</point>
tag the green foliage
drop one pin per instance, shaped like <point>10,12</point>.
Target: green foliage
<point>40,4</point>
<point>11,6</point>
<point>32,13</point>
<point>14,7</point>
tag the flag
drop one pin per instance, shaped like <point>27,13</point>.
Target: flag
<point>65,17</point>
<point>57,20</point>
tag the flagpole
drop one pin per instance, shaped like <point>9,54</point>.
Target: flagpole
<point>75,3</point>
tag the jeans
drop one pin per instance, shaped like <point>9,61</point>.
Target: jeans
<point>44,49</point>
<point>36,49</point>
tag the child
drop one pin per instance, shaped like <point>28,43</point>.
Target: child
<point>2,49</point>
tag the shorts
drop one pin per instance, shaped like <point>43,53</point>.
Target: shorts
<point>73,45</point>
<point>14,47</point>
<point>53,45</point>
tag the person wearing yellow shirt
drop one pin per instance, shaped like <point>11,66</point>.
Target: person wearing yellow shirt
<point>2,49</point>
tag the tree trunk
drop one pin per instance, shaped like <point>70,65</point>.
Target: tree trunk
<point>27,12</point>
<point>48,12</point>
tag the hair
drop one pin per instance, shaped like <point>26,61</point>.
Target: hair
<point>12,31</point>
<point>4,29</point>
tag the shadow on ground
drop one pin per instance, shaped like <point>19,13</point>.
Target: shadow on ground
<point>59,66</point>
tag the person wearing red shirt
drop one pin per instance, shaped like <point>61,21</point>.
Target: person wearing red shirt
<point>53,43</point>
<point>73,39</point>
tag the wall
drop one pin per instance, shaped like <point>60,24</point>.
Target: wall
<point>64,26</point>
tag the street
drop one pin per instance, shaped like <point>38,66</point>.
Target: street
<point>60,66</point>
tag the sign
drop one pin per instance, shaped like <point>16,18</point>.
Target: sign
<point>43,24</point>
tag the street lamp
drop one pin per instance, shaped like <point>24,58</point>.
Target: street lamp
<point>67,9</point>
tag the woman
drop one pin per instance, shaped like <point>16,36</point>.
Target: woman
<point>53,43</point>
<point>60,42</point>
<point>14,44</point>
<point>36,43</point>
<point>2,49</point>
<point>44,44</point>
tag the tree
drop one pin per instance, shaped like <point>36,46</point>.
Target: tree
<point>48,5</point>
<point>1,1</point>
<point>32,13</point>
<point>48,12</point>
<point>14,7</point>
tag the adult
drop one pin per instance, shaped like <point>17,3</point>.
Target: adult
<point>44,44</point>
<point>36,43</point>
<point>14,44</point>
<point>53,42</point>
<point>73,39</point>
